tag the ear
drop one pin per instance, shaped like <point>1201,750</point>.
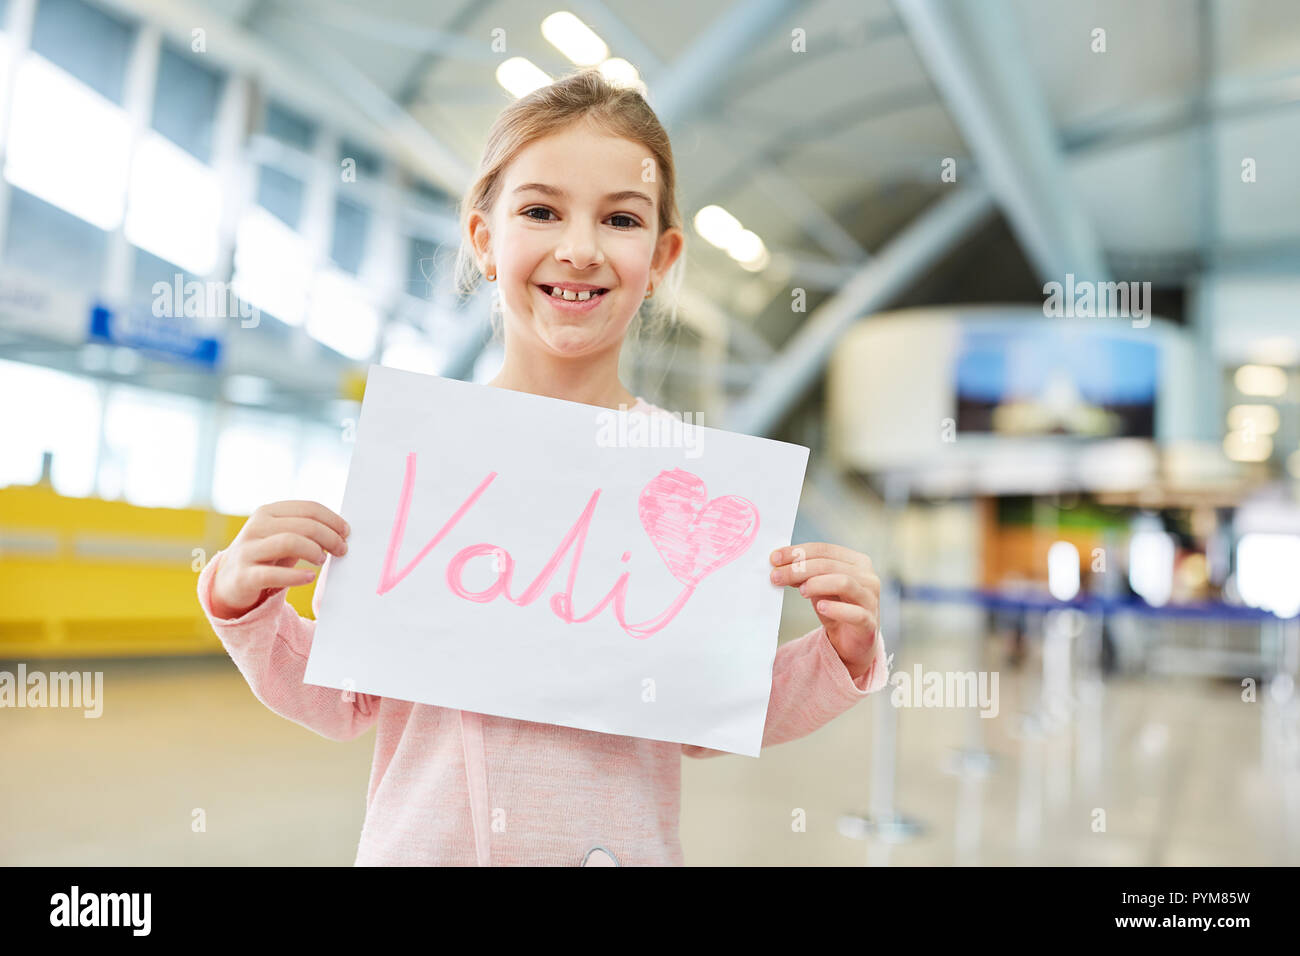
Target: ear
<point>667,249</point>
<point>480,235</point>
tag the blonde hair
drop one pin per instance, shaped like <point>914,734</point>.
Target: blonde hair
<point>615,110</point>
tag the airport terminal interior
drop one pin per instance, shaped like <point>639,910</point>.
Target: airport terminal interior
<point>1023,276</point>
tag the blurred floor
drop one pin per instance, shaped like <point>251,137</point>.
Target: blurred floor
<point>1185,780</point>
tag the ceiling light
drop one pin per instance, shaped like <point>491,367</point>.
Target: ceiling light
<point>1260,380</point>
<point>1240,447</point>
<point>574,39</point>
<point>520,76</point>
<point>1262,418</point>
<point>620,72</point>
<point>718,226</point>
<point>745,246</point>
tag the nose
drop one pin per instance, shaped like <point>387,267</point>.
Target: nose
<point>579,246</point>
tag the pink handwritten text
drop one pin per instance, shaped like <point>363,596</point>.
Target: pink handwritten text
<point>693,536</point>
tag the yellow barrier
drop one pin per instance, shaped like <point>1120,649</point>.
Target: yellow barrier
<point>84,577</point>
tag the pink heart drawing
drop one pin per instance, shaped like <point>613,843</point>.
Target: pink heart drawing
<point>693,535</point>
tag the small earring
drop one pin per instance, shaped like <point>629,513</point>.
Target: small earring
<point>650,292</point>
<point>492,277</point>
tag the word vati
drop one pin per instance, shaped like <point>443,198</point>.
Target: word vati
<point>694,537</point>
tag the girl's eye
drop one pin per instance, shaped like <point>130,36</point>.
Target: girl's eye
<point>631,222</point>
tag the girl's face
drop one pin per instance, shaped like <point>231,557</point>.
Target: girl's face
<point>574,209</point>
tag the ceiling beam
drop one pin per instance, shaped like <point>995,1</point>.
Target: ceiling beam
<point>921,243</point>
<point>971,53</point>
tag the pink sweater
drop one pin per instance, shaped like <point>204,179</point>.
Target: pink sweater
<point>450,787</point>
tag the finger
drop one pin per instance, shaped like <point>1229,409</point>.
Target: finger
<point>309,509</point>
<point>322,534</point>
<point>798,572</point>
<point>840,586</point>
<point>847,613</point>
<point>821,549</point>
<point>263,576</point>
<point>285,545</point>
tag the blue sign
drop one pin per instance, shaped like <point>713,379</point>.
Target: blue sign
<point>171,338</point>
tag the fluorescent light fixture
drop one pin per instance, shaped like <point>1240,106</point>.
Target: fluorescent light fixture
<point>748,249</point>
<point>574,39</point>
<point>174,205</point>
<point>342,316</point>
<point>520,76</point>
<point>1262,418</point>
<point>619,72</point>
<point>272,266</point>
<point>1242,447</point>
<point>1266,380</point>
<point>67,144</point>
<point>725,231</point>
<point>745,246</point>
<point>1063,570</point>
<point>718,226</point>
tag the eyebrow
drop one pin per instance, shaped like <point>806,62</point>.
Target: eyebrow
<point>561,194</point>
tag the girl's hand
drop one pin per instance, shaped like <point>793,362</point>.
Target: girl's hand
<point>844,592</point>
<point>263,554</point>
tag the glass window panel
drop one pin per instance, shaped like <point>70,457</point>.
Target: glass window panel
<point>150,447</point>
<point>281,195</point>
<point>185,102</point>
<point>48,410</point>
<point>351,223</point>
<point>165,178</point>
<point>282,123</point>
<point>47,241</point>
<point>254,462</point>
<point>87,42</point>
<point>322,469</point>
<point>67,144</point>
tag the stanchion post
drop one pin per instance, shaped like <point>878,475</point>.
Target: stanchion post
<point>883,821</point>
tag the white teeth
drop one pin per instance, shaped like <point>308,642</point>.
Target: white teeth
<point>570,296</point>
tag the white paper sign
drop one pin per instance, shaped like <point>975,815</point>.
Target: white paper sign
<point>556,562</point>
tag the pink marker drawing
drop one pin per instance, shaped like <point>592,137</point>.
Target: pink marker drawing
<point>693,536</point>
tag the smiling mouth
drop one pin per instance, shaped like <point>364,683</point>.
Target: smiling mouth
<point>578,297</point>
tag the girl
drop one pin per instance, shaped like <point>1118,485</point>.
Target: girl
<point>574,214</point>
